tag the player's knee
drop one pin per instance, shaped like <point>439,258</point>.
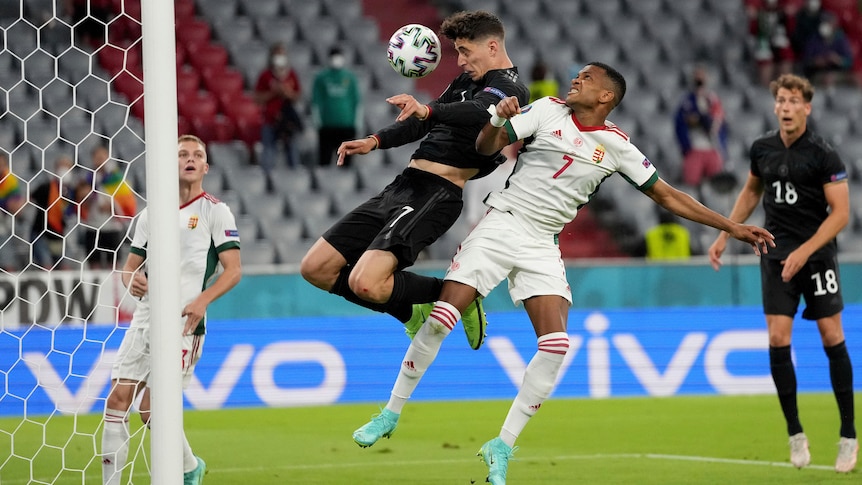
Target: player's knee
<point>369,289</point>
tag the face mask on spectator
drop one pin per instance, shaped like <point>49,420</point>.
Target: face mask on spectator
<point>826,30</point>
<point>337,61</point>
<point>279,61</point>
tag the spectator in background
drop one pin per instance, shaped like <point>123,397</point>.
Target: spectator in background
<point>773,53</point>
<point>335,101</point>
<point>54,200</point>
<point>542,82</point>
<point>827,56</point>
<point>668,240</point>
<point>107,207</point>
<point>805,25</point>
<point>11,201</point>
<point>701,131</point>
<point>278,90</point>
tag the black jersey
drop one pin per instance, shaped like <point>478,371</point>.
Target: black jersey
<point>793,198</point>
<point>455,120</point>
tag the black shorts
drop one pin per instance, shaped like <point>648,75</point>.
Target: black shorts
<point>408,215</point>
<point>818,282</point>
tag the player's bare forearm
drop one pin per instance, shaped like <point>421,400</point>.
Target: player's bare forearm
<point>133,264</point>
<point>491,140</point>
<point>229,278</point>
<point>688,207</point>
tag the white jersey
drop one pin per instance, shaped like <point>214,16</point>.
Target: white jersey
<point>563,165</point>
<point>207,227</point>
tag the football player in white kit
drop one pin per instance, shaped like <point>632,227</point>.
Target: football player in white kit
<point>208,232</point>
<point>569,149</point>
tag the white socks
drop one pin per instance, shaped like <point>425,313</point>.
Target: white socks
<point>422,352</point>
<point>115,445</point>
<point>539,381</point>
<point>189,460</point>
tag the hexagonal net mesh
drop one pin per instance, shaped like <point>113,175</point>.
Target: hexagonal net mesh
<point>71,181</point>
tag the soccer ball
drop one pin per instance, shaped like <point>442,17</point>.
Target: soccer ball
<point>414,51</point>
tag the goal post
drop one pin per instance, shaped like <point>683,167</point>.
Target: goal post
<point>160,108</point>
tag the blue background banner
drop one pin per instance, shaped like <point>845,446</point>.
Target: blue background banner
<point>300,361</point>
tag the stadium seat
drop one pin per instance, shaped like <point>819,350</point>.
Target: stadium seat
<point>217,128</point>
<point>193,33</point>
<point>264,8</point>
<point>200,104</point>
<point>184,10</point>
<point>226,85</point>
<point>188,80</point>
<point>274,30</point>
<point>208,56</point>
<point>233,30</point>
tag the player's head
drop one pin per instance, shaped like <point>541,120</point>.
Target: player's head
<point>597,85</point>
<point>192,157</point>
<point>479,39</point>
<point>793,95</point>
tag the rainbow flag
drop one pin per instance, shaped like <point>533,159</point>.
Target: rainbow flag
<point>114,184</point>
<point>9,188</point>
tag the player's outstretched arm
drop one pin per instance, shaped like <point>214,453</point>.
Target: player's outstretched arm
<point>686,206</point>
<point>355,147</point>
<point>229,278</point>
<point>745,204</point>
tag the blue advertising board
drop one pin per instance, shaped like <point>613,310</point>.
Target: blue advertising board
<point>301,361</point>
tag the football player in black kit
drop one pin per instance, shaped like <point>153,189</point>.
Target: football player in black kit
<point>803,184</point>
<point>363,256</point>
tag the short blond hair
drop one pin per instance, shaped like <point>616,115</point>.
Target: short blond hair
<point>192,138</point>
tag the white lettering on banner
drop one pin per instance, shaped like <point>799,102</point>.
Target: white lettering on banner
<point>224,381</point>
<point>515,367</point>
<point>715,362</point>
<point>63,296</point>
<point>645,370</point>
<point>276,354</point>
<point>54,386</point>
<point>598,355</point>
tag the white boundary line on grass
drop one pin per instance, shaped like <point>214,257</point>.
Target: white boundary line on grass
<point>595,456</point>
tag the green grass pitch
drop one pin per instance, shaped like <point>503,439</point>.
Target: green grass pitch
<point>679,440</point>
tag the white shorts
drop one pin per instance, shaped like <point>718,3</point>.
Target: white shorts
<point>133,357</point>
<point>501,247</point>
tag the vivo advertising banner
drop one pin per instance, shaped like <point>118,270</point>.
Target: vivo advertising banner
<point>320,361</point>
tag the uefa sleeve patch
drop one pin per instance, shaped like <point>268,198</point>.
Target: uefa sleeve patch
<point>646,163</point>
<point>838,176</point>
<point>495,92</point>
<point>231,233</point>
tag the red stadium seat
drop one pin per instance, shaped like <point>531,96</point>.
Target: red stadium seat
<point>188,80</point>
<point>226,85</point>
<point>184,10</point>
<point>129,85</point>
<point>184,126</point>
<point>116,58</point>
<point>193,33</point>
<point>200,104</point>
<point>246,113</point>
<point>208,56</point>
<point>216,129</point>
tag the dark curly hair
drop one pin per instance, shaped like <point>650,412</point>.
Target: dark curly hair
<point>477,24</point>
